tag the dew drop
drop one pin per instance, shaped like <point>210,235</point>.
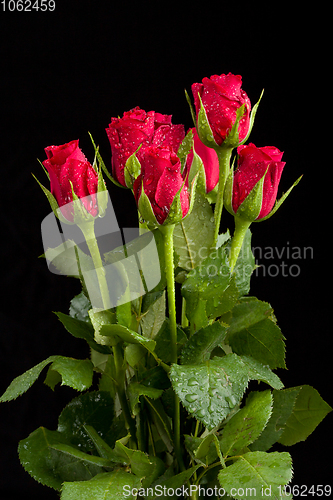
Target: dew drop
<point>192,381</point>
<point>190,398</point>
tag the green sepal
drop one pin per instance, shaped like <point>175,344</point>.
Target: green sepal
<point>102,194</point>
<point>194,118</point>
<point>102,164</point>
<point>280,201</point>
<point>81,215</point>
<point>175,214</point>
<point>184,148</point>
<point>252,117</point>
<point>146,210</point>
<point>198,170</point>
<point>132,169</point>
<point>251,206</point>
<point>53,202</point>
<point>232,139</point>
<point>204,129</point>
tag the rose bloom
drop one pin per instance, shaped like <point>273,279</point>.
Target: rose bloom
<point>138,127</point>
<point>221,96</point>
<point>67,164</point>
<point>161,179</point>
<point>253,162</point>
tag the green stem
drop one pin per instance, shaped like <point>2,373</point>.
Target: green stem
<point>224,155</point>
<point>241,226</point>
<point>89,235</point>
<point>184,317</point>
<point>120,377</point>
<point>167,232</point>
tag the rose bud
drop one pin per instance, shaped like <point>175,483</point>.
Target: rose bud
<point>138,129</point>
<point>251,191</point>
<point>209,160</point>
<point>72,177</point>
<point>222,109</point>
<point>159,190</point>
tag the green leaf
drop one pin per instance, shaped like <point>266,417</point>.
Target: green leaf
<point>103,449</point>
<point>143,466</point>
<point>166,482</point>
<point>75,373</point>
<point>82,329</point>
<point>202,450</point>
<point>99,318</point>
<point>79,307</point>
<point>258,475</point>
<point>51,466</point>
<point>193,236</point>
<point>163,341</point>
<point>108,486</point>
<point>247,424</point>
<point>23,382</point>
<point>135,390</point>
<point>80,455</point>
<point>199,347</point>
<point>309,410</point>
<point>209,289</point>
<point>257,371</point>
<point>117,333</point>
<point>283,404</point>
<point>245,264</point>
<point>212,389</point>
<point>149,248</point>
<point>161,421</point>
<point>252,332</point>
<point>154,317</point>
<point>94,409</point>
<point>64,258</point>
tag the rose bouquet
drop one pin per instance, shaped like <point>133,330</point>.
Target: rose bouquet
<point>170,402</point>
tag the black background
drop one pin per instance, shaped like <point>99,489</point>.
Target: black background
<point>65,73</point>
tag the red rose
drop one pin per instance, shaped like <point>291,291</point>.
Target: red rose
<point>253,164</point>
<point>161,179</point>
<point>221,96</point>
<point>139,127</point>
<point>67,164</point>
<point>209,159</point>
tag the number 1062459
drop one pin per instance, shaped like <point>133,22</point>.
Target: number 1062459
<point>28,5</point>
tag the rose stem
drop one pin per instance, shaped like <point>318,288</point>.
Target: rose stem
<point>241,226</point>
<point>167,232</point>
<point>89,235</point>
<point>224,155</point>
